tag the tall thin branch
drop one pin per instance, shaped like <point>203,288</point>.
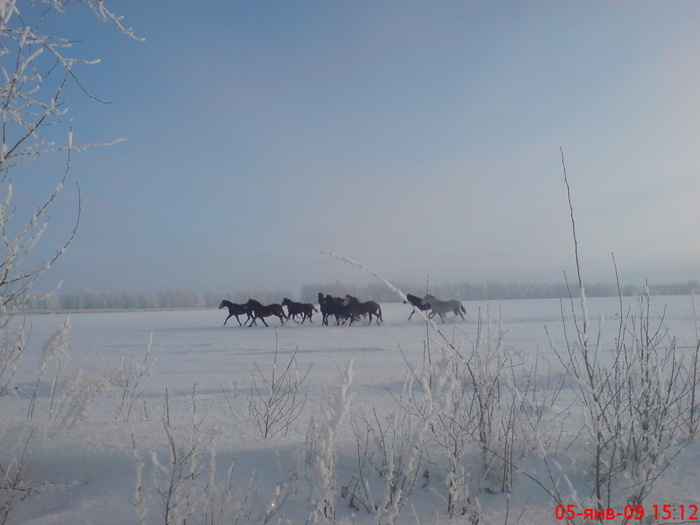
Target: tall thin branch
<point>573,222</point>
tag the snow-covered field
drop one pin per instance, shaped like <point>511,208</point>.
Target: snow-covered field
<point>99,451</point>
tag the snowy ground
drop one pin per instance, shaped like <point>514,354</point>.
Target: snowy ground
<point>87,458</point>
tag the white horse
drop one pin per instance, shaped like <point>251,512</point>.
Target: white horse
<point>444,307</point>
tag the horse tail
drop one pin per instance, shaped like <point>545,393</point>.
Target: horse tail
<point>461,306</point>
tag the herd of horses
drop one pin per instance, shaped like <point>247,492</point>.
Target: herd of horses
<point>345,310</point>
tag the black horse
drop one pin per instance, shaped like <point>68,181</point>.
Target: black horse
<point>356,309</point>
<point>235,310</point>
<point>332,307</point>
<point>261,311</point>
<point>416,302</point>
<point>306,310</point>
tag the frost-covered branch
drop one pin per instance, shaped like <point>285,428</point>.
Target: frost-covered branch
<point>277,398</point>
<point>322,465</point>
<point>35,71</point>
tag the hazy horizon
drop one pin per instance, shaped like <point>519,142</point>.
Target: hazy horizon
<point>374,287</point>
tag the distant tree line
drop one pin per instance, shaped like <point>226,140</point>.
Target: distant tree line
<point>88,300</point>
<point>495,290</point>
<point>465,291</point>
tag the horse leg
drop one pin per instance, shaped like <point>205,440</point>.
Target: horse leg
<point>229,317</point>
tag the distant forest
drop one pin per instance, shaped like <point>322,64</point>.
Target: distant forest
<point>485,291</point>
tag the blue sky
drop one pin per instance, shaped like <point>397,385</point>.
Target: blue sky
<point>419,138</point>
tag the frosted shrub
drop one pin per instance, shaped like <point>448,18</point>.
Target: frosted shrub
<point>248,506</point>
<point>52,359</point>
<point>131,379</point>
<point>692,376</point>
<point>477,423</point>
<point>190,451</point>
<point>452,425</point>
<point>70,394</point>
<point>188,483</point>
<point>14,485</point>
<point>79,390</point>
<point>193,490</point>
<point>637,398</point>
<point>11,348</point>
<point>491,370</point>
<point>657,401</point>
<point>321,461</point>
<point>37,75</point>
<point>278,398</point>
<point>390,453</point>
<point>54,350</point>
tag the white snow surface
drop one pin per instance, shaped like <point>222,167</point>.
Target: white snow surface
<point>85,471</point>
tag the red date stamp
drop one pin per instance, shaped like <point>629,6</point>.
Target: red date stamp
<point>630,512</point>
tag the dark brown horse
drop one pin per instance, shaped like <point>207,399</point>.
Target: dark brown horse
<point>261,311</point>
<point>306,310</point>
<point>235,310</point>
<point>330,306</point>
<point>416,302</point>
<point>356,309</point>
